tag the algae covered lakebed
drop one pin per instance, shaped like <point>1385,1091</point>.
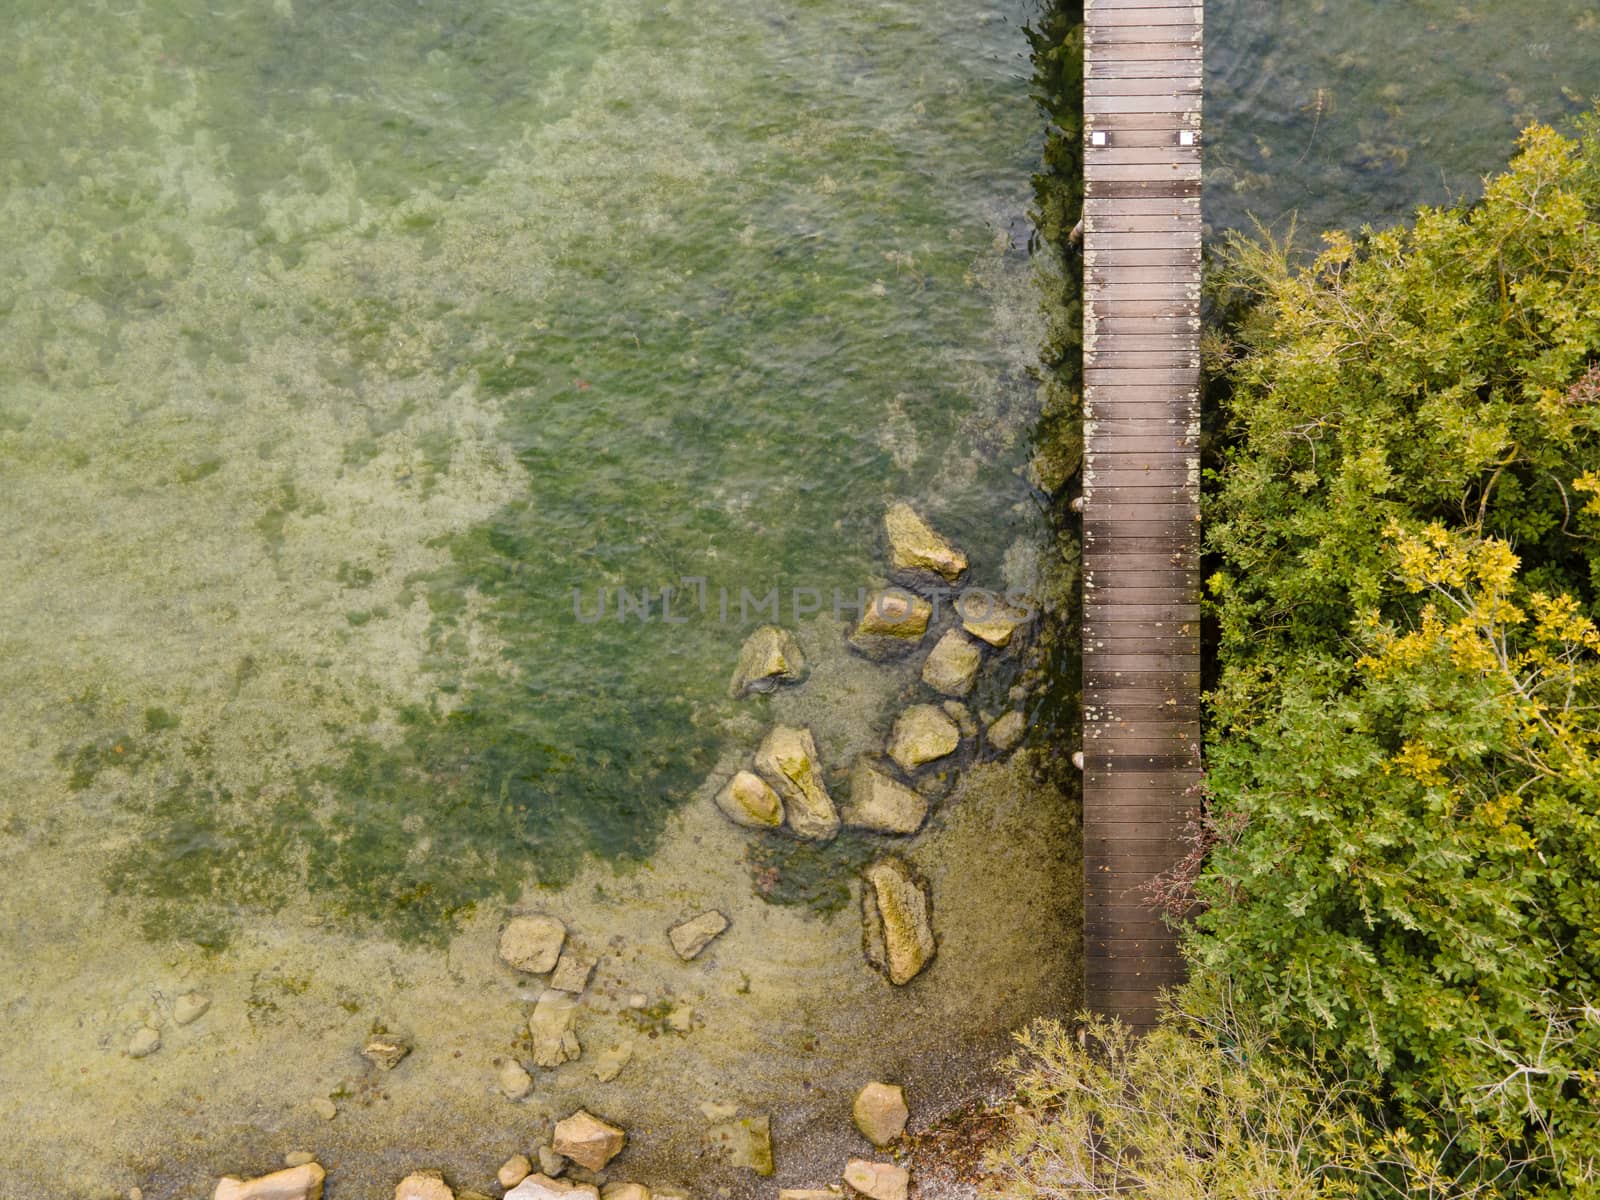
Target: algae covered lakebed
<point>351,353</point>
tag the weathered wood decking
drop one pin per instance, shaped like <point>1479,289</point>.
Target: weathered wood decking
<point>1141,240</point>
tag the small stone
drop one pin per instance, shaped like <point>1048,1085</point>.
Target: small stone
<point>625,1191</point>
<point>587,1140</point>
<point>718,1111</point>
<point>542,1187</point>
<point>551,1163</point>
<point>144,1042</point>
<point>878,1181</point>
<point>892,624</point>
<point>923,734</point>
<point>531,942</point>
<point>896,921</point>
<point>1007,730</point>
<point>914,547</point>
<point>295,1183</point>
<point>324,1108</point>
<point>386,1050</point>
<point>681,1018</point>
<point>638,1000</point>
<point>808,1194</point>
<point>952,665</point>
<point>695,934</point>
<point>881,803</point>
<point>610,1063</point>
<point>554,1026</point>
<point>190,1007</point>
<point>298,1158</point>
<point>880,1112</point>
<point>513,1079</point>
<point>514,1170</point>
<point>135,1193</point>
<point>991,617</point>
<point>745,1143</point>
<point>748,800</point>
<point>572,972</point>
<point>423,1185</point>
<point>962,716</point>
<point>769,657</point>
<point>788,761</point>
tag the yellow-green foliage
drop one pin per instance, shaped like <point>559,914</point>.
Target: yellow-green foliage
<point>1406,728</point>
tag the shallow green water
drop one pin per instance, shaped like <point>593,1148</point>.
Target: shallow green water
<point>346,340</point>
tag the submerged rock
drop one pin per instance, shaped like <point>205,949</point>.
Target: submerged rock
<point>424,1185</point>
<point>532,942</point>
<point>990,617</point>
<point>1007,730</point>
<point>190,1007</point>
<point>554,1028</point>
<point>882,803</point>
<point>962,716</point>
<point>386,1051</point>
<point>587,1140</point>
<point>144,1042</point>
<point>551,1163</point>
<point>896,920</point>
<point>880,1112</point>
<point>625,1191</point>
<point>572,972</point>
<point>695,934</point>
<point>297,1183</point>
<point>324,1108</point>
<point>610,1063</point>
<point>542,1187</point>
<point>952,664</point>
<point>513,1079</point>
<point>514,1170</point>
<point>877,1181</point>
<point>787,760</point>
<point>916,549</point>
<point>921,735</point>
<point>832,1193</point>
<point>746,1142</point>
<point>891,625</point>
<point>748,800</point>
<point>769,657</point>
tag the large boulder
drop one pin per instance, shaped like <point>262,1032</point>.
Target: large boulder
<point>923,734</point>
<point>952,665</point>
<point>749,800</point>
<point>892,624</point>
<point>297,1183</point>
<point>587,1140</point>
<point>788,761</point>
<point>915,549</point>
<point>769,657</point>
<point>554,1028</point>
<point>881,803</point>
<point>532,942</point>
<point>897,923</point>
<point>880,1112</point>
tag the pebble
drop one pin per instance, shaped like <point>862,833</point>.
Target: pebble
<point>638,1000</point>
<point>681,1018</point>
<point>572,972</point>
<point>532,942</point>
<point>190,1007</point>
<point>514,1170</point>
<point>551,1163</point>
<point>695,934</point>
<point>298,1158</point>
<point>385,1050</point>
<point>423,1185</point>
<point>880,1112</point>
<point>514,1080</point>
<point>610,1063</point>
<point>878,1181</point>
<point>144,1042</point>
<point>588,1140</point>
<point>325,1108</point>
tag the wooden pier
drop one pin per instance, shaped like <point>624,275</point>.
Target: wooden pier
<point>1141,519</point>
